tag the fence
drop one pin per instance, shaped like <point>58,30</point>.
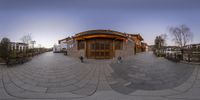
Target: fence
<point>191,55</point>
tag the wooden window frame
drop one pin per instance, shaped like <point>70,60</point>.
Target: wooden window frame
<point>81,45</point>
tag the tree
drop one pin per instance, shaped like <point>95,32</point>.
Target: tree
<point>160,41</point>
<point>181,35</point>
<point>5,49</point>
<point>26,39</point>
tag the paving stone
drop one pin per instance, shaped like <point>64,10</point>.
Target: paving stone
<point>57,84</point>
<point>155,92</point>
<point>122,89</point>
<point>87,90</point>
<point>187,85</point>
<point>142,77</point>
<point>81,83</point>
<point>4,95</point>
<point>6,79</point>
<point>192,94</point>
<point>33,95</point>
<point>62,89</point>
<point>17,81</point>
<point>12,88</point>
<point>33,88</point>
<point>103,86</point>
<point>150,73</point>
<point>196,84</point>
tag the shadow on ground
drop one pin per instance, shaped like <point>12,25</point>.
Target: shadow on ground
<point>147,72</point>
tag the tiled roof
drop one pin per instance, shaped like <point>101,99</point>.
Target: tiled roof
<point>100,32</point>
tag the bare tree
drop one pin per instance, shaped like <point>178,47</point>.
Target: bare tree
<point>26,39</point>
<point>181,35</point>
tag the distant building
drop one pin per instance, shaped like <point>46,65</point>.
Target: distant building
<point>63,45</point>
<point>32,44</point>
<point>192,46</point>
<point>137,38</point>
<point>102,44</point>
<point>150,47</point>
<point>170,50</point>
<point>19,47</point>
<point>191,53</point>
<point>144,47</point>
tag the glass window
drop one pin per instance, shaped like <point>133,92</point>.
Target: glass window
<point>102,46</point>
<point>97,46</point>
<point>107,46</point>
<point>92,46</point>
<point>81,45</point>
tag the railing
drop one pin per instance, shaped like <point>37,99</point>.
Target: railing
<point>189,55</point>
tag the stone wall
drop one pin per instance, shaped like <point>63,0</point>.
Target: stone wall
<point>128,50</point>
<point>74,52</point>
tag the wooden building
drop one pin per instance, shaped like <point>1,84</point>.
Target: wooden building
<point>102,44</point>
<point>137,38</point>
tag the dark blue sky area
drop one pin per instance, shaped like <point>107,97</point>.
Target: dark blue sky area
<point>50,20</point>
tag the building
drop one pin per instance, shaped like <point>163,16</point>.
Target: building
<point>150,47</point>
<point>103,44</point>
<point>144,47</point>
<point>19,47</point>
<point>191,53</point>
<point>62,45</point>
<point>172,50</point>
<point>137,38</point>
<point>192,46</point>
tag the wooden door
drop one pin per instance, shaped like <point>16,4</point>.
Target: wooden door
<point>99,49</point>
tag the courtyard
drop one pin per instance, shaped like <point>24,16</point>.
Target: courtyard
<point>140,77</point>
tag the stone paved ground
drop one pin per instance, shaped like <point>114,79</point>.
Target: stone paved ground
<point>146,72</point>
<point>58,77</point>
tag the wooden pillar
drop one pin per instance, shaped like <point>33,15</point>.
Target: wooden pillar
<point>85,49</point>
<point>113,48</point>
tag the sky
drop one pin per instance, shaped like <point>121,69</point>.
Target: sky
<point>51,20</point>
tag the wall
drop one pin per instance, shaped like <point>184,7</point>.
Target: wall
<point>73,51</point>
<point>128,49</point>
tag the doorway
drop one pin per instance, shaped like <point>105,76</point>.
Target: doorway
<point>100,48</point>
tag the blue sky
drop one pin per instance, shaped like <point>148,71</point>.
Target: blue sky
<point>50,20</point>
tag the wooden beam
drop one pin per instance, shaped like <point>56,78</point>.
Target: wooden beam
<point>100,36</point>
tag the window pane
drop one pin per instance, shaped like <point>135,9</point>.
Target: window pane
<point>97,46</point>
<point>81,45</point>
<point>102,46</point>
